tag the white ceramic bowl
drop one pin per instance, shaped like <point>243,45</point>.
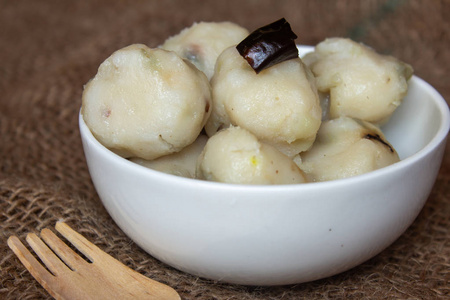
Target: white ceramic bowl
<point>272,235</point>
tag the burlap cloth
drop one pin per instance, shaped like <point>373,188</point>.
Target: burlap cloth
<point>49,49</point>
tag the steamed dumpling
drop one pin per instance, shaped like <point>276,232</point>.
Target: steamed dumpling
<point>146,102</point>
<point>182,163</point>
<point>362,84</point>
<point>280,105</point>
<point>202,43</point>
<point>346,147</point>
<point>234,155</point>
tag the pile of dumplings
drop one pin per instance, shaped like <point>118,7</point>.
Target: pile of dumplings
<point>194,107</point>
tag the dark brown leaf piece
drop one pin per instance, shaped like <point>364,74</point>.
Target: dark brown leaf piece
<point>269,45</point>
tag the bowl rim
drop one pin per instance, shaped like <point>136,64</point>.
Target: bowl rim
<point>435,141</point>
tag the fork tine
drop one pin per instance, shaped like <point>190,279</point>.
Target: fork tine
<point>91,251</point>
<point>53,263</point>
<point>69,256</point>
<point>33,266</point>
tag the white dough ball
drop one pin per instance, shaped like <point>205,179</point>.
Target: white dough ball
<point>181,163</point>
<point>346,147</point>
<point>203,42</point>
<point>362,83</point>
<point>234,155</point>
<point>146,102</point>
<point>280,105</point>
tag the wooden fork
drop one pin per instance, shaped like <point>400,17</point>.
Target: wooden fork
<point>72,277</point>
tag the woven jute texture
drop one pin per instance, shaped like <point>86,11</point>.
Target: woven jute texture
<point>50,48</point>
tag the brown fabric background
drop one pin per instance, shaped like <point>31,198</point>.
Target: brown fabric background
<point>50,48</point>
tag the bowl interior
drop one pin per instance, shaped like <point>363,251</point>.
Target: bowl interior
<point>421,120</point>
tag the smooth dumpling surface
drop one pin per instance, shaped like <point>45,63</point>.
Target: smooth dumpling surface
<point>203,42</point>
<point>280,105</point>
<point>346,147</point>
<point>362,83</point>
<point>181,163</point>
<point>234,155</point>
<point>146,102</point>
